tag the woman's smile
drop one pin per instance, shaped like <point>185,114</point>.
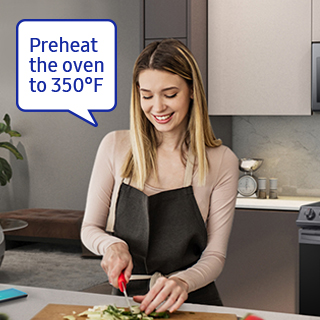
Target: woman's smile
<point>163,119</point>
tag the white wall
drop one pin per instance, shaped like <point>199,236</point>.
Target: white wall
<point>59,148</point>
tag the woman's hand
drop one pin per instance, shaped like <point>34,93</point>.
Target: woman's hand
<point>116,259</point>
<point>173,292</point>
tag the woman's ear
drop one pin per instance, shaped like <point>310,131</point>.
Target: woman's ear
<point>191,93</point>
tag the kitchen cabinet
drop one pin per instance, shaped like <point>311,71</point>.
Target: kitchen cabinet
<point>185,20</point>
<point>259,57</point>
<point>316,20</point>
<point>261,269</point>
<point>165,19</point>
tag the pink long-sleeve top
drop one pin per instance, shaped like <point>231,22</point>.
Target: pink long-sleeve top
<point>216,201</point>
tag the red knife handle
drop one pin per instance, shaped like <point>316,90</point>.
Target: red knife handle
<point>122,282</point>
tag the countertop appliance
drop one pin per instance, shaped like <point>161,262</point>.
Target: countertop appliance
<point>309,259</point>
<point>248,183</point>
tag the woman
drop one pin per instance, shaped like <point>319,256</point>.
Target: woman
<point>166,189</point>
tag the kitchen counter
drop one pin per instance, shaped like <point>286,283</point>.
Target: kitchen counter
<point>38,298</point>
<point>282,203</point>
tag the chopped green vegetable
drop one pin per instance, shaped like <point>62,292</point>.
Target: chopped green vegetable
<point>111,312</point>
<point>157,315</point>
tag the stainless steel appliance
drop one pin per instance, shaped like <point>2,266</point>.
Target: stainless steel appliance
<point>316,76</point>
<point>309,259</point>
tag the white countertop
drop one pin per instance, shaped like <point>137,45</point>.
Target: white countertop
<point>282,203</point>
<point>38,298</point>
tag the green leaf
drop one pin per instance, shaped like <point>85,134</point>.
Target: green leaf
<point>5,169</point>
<point>7,120</point>
<point>12,148</point>
<point>14,133</point>
<point>3,179</point>
<point>2,127</point>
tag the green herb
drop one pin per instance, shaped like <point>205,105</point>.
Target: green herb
<point>111,312</point>
<point>158,315</point>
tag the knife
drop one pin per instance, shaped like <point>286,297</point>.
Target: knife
<point>122,287</point>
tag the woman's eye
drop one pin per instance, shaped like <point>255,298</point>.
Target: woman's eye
<point>171,96</point>
<point>146,97</point>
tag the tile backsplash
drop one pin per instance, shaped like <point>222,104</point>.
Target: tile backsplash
<point>290,147</point>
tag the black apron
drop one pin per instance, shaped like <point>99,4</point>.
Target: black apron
<point>165,233</point>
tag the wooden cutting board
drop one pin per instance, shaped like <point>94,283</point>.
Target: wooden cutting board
<point>58,311</point>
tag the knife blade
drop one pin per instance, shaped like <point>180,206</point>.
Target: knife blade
<point>122,287</point>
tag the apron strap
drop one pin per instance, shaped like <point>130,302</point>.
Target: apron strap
<point>126,180</point>
<point>112,211</point>
<point>189,170</point>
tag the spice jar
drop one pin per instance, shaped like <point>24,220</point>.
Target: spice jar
<point>262,186</point>
<point>273,185</point>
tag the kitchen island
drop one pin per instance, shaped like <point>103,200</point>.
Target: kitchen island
<point>38,298</point>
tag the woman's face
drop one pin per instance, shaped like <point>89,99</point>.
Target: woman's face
<point>165,99</point>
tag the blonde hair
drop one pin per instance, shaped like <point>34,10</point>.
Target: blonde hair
<point>172,56</point>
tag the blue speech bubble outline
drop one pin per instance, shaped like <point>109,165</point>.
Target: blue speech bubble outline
<point>95,124</point>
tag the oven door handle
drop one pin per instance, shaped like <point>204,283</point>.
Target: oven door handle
<point>309,236</point>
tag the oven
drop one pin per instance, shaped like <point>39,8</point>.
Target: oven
<point>309,259</point>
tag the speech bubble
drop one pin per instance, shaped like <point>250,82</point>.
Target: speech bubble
<point>66,66</point>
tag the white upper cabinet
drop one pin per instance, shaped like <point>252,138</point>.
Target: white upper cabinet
<point>316,20</point>
<point>259,57</point>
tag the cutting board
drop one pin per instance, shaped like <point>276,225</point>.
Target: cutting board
<point>58,311</point>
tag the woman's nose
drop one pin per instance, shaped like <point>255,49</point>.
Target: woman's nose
<point>158,105</point>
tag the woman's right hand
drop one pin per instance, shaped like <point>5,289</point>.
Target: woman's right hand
<point>117,259</point>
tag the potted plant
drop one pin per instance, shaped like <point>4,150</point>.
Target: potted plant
<point>5,168</point>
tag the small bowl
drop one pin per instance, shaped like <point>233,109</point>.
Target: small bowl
<point>250,164</point>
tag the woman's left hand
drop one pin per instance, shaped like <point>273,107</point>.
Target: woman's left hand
<point>172,292</point>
